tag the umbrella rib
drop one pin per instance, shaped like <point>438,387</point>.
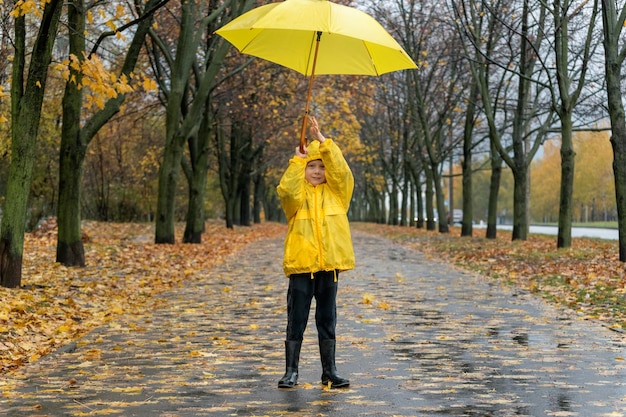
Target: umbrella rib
<point>371,58</point>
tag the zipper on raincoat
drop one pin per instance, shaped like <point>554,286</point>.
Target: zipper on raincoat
<point>317,227</point>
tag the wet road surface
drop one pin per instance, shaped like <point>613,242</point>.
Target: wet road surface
<point>591,232</point>
<point>415,337</point>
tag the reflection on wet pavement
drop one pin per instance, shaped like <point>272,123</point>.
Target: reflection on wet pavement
<point>473,347</point>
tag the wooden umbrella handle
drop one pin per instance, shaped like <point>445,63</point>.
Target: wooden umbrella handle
<point>308,95</point>
<point>302,132</point>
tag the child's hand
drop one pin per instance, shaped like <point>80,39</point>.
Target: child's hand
<point>300,154</point>
<point>315,130</point>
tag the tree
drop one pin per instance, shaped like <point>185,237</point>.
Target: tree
<point>489,28</point>
<point>386,131</point>
<point>613,20</point>
<point>186,74</point>
<point>27,93</point>
<point>435,94</point>
<point>368,200</point>
<point>76,136</point>
<point>474,23</point>
<point>467,161</point>
<point>566,73</point>
<point>253,105</point>
<point>121,164</point>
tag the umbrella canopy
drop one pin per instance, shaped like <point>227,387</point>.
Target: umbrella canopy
<point>352,42</point>
<point>317,37</point>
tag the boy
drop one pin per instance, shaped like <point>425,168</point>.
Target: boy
<point>315,193</point>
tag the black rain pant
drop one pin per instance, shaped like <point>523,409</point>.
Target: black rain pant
<point>302,289</point>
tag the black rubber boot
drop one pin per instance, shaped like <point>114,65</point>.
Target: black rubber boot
<point>292,355</point>
<point>329,374</point>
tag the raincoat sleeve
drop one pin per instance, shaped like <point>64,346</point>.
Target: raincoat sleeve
<point>291,187</point>
<point>338,174</point>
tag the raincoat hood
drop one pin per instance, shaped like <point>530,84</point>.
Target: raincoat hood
<point>313,151</point>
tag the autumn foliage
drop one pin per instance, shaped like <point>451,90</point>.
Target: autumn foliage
<point>594,184</point>
<point>125,271</point>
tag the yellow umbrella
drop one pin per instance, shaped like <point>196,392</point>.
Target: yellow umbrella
<point>316,37</point>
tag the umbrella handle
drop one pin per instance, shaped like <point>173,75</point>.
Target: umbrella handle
<point>308,95</point>
<point>303,130</point>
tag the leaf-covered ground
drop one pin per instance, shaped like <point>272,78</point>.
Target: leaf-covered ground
<point>587,277</point>
<point>416,337</point>
<point>57,305</point>
<point>125,269</point>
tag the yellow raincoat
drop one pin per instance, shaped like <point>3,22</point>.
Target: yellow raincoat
<point>318,238</point>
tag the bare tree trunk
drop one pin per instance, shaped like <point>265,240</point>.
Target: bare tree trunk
<point>494,190</point>
<point>175,136</point>
<point>431,224</point>
<point>230,167</point>
<point>75,139</point>
<point>566,203</point>
<point>27,94</point>
<point>467,165</point>
<point>565,109</point>
<point>518,162</point>
<point>196,173</point>
<point>404,204</point>
<point>420,207</point>
<point>441,206</point>
<point>245,194</point>
<point>393,202</point>
<point>613,24</point>
<point>196,179</point>
<point>520,206</point>
<point>618,140</point>
<point>70,250</point>
<point>258,193</point>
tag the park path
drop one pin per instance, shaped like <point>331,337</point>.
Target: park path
<point>416,337</point>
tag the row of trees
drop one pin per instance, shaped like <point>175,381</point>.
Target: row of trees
<point>109,103</point>
<point>594,184</point>
<point>513,74</point>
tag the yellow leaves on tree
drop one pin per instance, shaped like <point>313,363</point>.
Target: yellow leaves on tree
<point>120,15</point>
<point>120,11</point>
<point>24,7</point>
<point>100,83</point>
<point>594,185</point>
<point>149,84</point>
<point>545,179</point>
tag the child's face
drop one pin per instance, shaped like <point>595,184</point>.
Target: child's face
<point>315,172</point>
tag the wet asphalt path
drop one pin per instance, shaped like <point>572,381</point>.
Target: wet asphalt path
<point>416,338</point>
